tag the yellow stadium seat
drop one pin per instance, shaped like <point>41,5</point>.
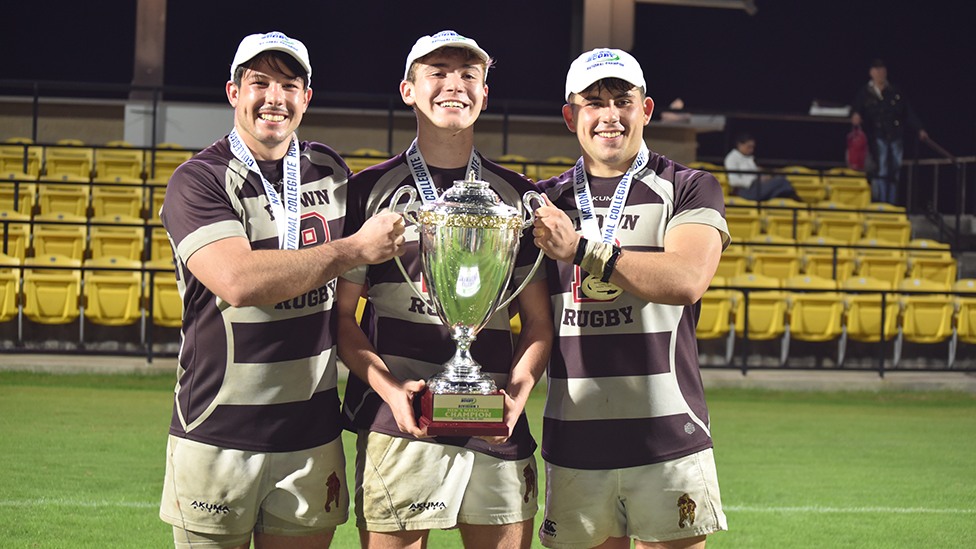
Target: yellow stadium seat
<point>18,196</point>
<point>892,267</point>
<point>112,297</point>
<point>965,309</point>
<point>167,305</point>
<point>161,247</point>
<point>112,164</point>
<point>807,183</point>
<point>787,218</point>
<point>745,224</point>
<point>838,221</point>
<point>69,197</point>
<point>925,247</point>
<point>116,200</point>
<point>766,309</point>
<point>925,318</point>
<point>941,270</point>
<point>60,234</point>
<point>162,161</point>
<point>154,201</point>
<point>734,261</point>
<point>14,234</point>
<point>826,258</point>
<point>775,257</point>
<point>715,319</point>
<point>117,236</point>
<point>870,315</point>
<point>20,162</point>
<point>898,231</point>
<point>554,165</point>
<point>883,210</point>
<point>854,192</point>
<point>520,164</point>
<point>9,287</point>
<point>68,163</point>
<point>816,309</point>
<point>51,295</point>
<point>363,158</point>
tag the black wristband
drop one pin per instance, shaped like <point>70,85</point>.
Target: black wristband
<point>611,263</point>
<point>580,252</point>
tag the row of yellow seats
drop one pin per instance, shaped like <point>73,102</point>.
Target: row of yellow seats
<point>79,237</point>
<point>828,220</point>
<point>82,198</point>
<point>816,309</point>
<point>837,184</point>
<point>112,291</point>
<point>785,258</point>
<point>363,158</point>
<point>73,160</point>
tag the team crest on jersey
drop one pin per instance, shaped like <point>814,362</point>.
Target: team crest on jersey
<point>314,229</point>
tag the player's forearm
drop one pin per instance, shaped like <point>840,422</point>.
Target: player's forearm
<point>359,355</point>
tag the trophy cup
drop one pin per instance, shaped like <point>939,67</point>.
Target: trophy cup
<point>468,242</point>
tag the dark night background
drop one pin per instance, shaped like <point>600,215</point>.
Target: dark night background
<point>717,60</point>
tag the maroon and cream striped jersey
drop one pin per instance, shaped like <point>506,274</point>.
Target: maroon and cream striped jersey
<point>259,378</point>
<point>403,328</point>
<point>624,382</point>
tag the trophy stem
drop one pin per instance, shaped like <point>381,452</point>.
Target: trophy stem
<point>462,373</point>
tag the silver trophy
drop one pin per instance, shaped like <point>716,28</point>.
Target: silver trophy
<point>468,242</point>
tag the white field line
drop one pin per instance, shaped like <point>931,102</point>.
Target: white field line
<point>815,509</point>
<point>87,504</point>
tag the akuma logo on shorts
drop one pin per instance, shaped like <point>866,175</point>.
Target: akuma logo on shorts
<point>427,505</point>
<point>212,508</point>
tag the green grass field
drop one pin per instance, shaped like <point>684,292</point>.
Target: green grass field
<point>81,464</point>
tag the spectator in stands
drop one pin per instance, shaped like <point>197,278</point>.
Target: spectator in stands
<point>254,445</point>
<point>626,440</point>
<point>744,179</point>
<point>484,487</point>
<point>883,111</point>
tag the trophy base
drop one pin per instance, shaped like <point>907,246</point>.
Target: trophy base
<point>463,415</point>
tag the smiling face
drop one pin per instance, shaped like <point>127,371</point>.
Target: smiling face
<point>447,89</point>
<point>268,107</point>
<point>608,121</point>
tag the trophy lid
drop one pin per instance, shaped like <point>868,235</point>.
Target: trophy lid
<point>471,203</point>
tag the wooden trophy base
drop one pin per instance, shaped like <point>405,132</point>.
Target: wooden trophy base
<point>463,415</point>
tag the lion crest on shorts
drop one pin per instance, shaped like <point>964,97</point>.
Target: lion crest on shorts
<point>531,485</point>
<point>686,510</point>
<point>332,491</point>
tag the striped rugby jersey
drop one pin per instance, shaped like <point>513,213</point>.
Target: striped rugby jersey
<point>254,378</point>
<point>405,330</point>
<point>624,382</point>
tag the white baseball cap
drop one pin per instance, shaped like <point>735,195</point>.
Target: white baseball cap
<point>443,39</point>
<point>272,41</point>
<point>603,63</point>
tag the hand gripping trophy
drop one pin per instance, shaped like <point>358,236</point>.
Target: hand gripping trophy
<point>469,239</point>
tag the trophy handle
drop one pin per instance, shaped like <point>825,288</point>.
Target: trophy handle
<point>409,216</point>
<point>528,217</point>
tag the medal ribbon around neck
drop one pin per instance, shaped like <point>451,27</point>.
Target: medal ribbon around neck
<point>422,177</point>
<point>584,199</point>
<point>285,211</point>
